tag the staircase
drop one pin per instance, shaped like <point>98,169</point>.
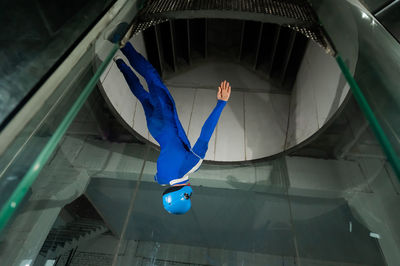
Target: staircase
<point>64,238</point>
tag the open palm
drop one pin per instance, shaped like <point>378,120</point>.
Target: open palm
<point>224,91</point>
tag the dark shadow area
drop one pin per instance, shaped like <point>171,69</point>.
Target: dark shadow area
<point>35,37</point>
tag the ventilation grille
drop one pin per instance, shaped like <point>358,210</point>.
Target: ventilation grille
<point>295,14</point>
<point>270,50</point>
<point>296,9</point>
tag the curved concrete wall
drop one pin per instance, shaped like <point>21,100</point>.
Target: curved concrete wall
<point>258,122</point>
<point>319,90</point>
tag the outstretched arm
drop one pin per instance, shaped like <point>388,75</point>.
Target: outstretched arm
<point>201,146</point>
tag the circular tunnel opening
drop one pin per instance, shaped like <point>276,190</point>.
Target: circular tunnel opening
<point>285,87</point>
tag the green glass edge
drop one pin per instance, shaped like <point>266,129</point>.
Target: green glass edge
<point>19,193</point>
<point>376,127</point>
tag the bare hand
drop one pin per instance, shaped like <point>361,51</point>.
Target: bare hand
<point>224,91</point>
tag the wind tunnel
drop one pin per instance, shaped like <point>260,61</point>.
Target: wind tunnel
<point>286,86</point>
<point>95,201</point>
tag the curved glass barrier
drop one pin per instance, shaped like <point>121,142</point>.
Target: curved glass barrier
<point>31,148</point>
<point>370,59</point>
<point>35,38</point>
<point>262,213</point>
<point>95,201</point>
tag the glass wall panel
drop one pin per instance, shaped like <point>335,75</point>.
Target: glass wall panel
<point>240,215</point>
<point>96,202</point>
<point>370,58</point>
<point>47,126</point>
<point>35,37</point>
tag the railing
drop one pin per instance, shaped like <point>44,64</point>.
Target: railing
<point>34,140</point>
<point>370,60</point>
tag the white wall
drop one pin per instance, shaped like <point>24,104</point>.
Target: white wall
<point>117,92</point>
<point>258,116</point>
<point>319,90</point>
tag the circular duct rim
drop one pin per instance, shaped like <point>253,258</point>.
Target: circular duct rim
<point>117,110</point>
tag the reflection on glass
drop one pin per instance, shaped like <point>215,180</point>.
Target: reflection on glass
<point>231,218</point>
<point>284,212</point>
<point>288,211</point>
<point>372,57</point>
<point>35,35</point>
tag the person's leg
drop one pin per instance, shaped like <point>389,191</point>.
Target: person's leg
<point>135,86</point>
<point>139,63</point>
<point>155,116</point>
<point>160,98</point>
<point>143,67</point>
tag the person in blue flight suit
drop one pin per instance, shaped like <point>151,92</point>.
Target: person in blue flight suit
<point>177,158</point>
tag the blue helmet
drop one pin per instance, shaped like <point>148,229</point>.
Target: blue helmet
<point>176,200</point>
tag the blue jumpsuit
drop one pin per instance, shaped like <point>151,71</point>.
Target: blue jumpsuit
<point>177,158</point>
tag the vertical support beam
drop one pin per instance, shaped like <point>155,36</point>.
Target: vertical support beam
<point>242,40</point>
<point>298,51</point>
<point>260,33</point>
<point>173,44</point>
<point>159,48</point>
<point>151,47</point>
<point>188,41</point>
<point>274,48</point>
<point>205,38</point>
<point>292,40</point>
<point>181,41</point>
<point>167,46</point>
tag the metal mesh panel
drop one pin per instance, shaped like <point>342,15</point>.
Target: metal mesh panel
<point>300,14</point>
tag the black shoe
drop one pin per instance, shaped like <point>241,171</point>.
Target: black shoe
<point>118,33</point>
